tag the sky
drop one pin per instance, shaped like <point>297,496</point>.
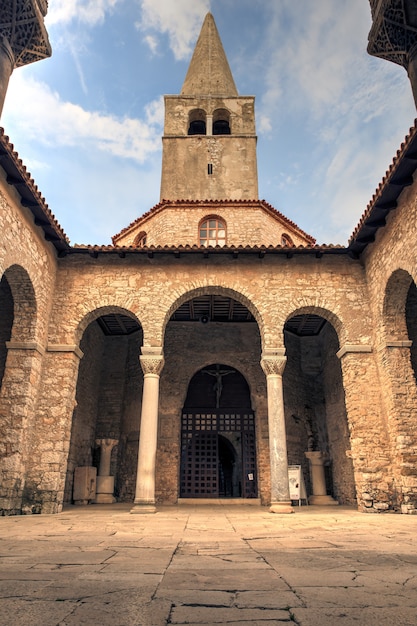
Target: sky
<point>88,122</point>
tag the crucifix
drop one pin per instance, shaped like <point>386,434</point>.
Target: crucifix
<point>218,385</point>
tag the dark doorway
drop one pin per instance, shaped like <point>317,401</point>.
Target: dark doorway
<point>218,452</point>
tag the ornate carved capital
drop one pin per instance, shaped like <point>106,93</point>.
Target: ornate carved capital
<point>273,365</point>
<point>151,364</point>
<point>21,23</point>
<point>393,33</point>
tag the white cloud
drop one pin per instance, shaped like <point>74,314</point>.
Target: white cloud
<point>51,121</point>
<point>88,11</point>
<point>180,19</point>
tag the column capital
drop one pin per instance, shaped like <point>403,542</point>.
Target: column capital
<point>273,364</point>
<point>151,360</point>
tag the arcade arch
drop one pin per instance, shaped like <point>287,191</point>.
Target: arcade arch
<point>108,397</point>
<point>314,400</point>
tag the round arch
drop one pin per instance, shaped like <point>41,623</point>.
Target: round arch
<point>214,290</point>
<point>94,314</point>
<point>394,305</point>
<point>24,303</point>
<point>326,314</point>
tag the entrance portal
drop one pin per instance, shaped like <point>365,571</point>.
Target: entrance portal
<point>218,448</point>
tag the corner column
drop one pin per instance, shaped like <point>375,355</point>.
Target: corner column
<point>6,68</point>
<point>152,362</point>
<point>273,364</point>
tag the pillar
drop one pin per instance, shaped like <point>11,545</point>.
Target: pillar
<point>318,480</point>
<point>105,482</point>
<point>152,363</point>
<point>273,364</point>
<point>18,396</point>
<point>6,68</point>
<point>367,428</point>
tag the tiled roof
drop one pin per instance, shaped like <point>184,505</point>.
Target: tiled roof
<point>31,198</point>
<point>235,251</point>
<point>399,175</point>
<point>211,204</point>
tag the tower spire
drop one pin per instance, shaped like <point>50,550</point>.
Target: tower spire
<point>209,72</point>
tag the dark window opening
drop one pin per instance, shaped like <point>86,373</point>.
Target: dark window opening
<point>221,127</point>
<point>197,127</point>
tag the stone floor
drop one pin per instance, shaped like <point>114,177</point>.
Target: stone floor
<point>208,565</point>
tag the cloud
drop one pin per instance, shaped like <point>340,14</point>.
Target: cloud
<point>180,21</point>
<point>87,11</point>
<point>51,121</point>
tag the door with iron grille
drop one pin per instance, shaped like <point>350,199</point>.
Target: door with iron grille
<point>207,470</point>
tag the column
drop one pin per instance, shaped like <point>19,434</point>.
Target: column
<point>105,482</point>
<point>318,480</point>
<point>152,363</point>
<point>273,364</point>
<point>6,68</point>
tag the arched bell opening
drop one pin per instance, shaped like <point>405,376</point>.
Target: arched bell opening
<point>221,122</point>
<point>197,122</point>
<point>314,399</point>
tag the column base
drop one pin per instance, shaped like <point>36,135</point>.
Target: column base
<point>323,500</point>
<point>139,508</point>
<point>281,507</point>
<point>104,498</point>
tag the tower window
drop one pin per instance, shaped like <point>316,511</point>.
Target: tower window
<point>221,122</point>
<point>212,232</point>
<point>197,122</point>
<point>210,169</point>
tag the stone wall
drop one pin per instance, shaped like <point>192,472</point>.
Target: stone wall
<point>391,270</point>
<point>246,224</point>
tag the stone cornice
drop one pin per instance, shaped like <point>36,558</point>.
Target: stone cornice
<point>25,345</point>
<point>58,347</point>
<point>350,348</point>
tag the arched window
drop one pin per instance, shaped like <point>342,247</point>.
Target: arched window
<point>140,240</point>
<point>212,232</point>
<point>221,122</point>
<point>197,122</point>
<point>286,241</point>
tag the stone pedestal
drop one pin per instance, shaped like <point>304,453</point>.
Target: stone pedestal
<point>105,490</point>
<point>317,459</point>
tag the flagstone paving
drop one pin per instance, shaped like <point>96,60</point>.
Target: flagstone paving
<point>208,565</point>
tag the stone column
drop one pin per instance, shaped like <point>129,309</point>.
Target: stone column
<point>152,363</point>
<point>105,482</point>
<point>6,68</point>
<point>273,364</point>
<point>317,459</point>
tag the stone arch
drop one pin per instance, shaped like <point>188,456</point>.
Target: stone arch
<point>394,305</point>
<point>99,312</point>
<point>214,290</point>
<point>326,314</point>
<point>24,303</point>
<point>314,398</point>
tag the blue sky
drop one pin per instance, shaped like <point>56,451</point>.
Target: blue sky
<point>88,122</point>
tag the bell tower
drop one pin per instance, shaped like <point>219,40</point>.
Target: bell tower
<point>209,142</point>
